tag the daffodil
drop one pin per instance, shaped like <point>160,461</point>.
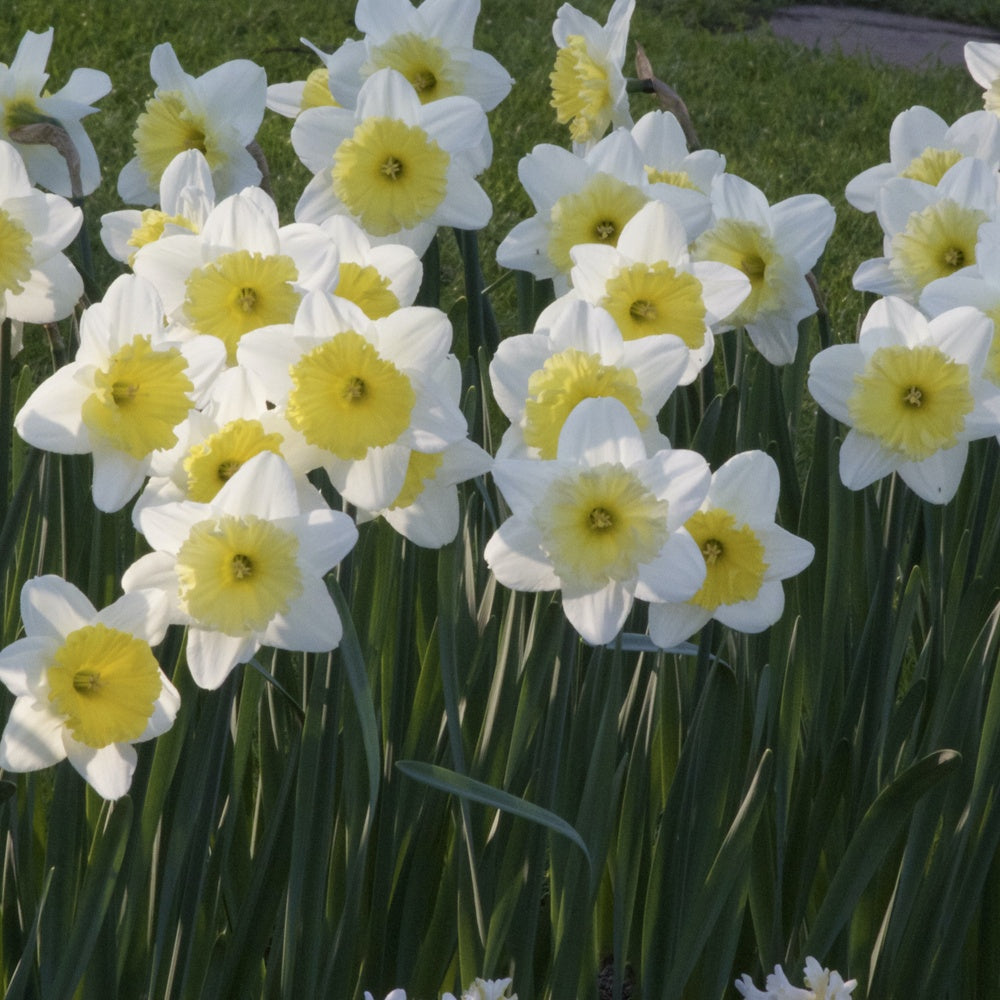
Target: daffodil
<point>820,984</point>
<point>378,278</point>
<point>362,393</point>
<point>924,147</point>
<point>486,989</point>
<point>588,88</point>
<point>38,284</point>
<point>123,396</point>
<point>241,271</point>
<point>586,199</point>
<point>245,569</point>
<point>978,286</point>
<point>539,378</point>
<point>426,509</point>
<point>746,555</point>
<point>24,101</point>
<point>217,113</point>
<point>930,232</point>
<point>652,288</point>
<point>602,522</point>
<point>290,99</point>
<point>912,392</point>
<point>86,683</point>
<point>430,45</point>
<point>982,59</point>
<point>187,196</point>
<point>775,246</point>
<point>395,166</point>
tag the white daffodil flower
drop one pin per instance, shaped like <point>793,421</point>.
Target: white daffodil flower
<point>217,113</point>
<point>426,509</point>
<point>128,388</point>
<point>651,287</point>
<point>187,196</point>
<point>24,101</point>
<point>586,199</point>
<point>242,271</point>
<point>210,449</point>
<point>395,166</point>
<point>820,984</point>
<point>979,286</point>
<point>86,683</point>
<point>588,88</point>
<point>245,569</point>
<point>362,393</point>
<point>38,284</point>
<point>665,155</point>
<point>930,232</point>
<point>539,378</point>
<point>924,147</point>
<point>377,278</point>
<point>775,246</point>
<point>485,989</point>
<point>746,555</point>
<point>430,44</point>
<point>982,59</point>
<point>290,99</point>
<point>601,522</point>
<point>912,392</point>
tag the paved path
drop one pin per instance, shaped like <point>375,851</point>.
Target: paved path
<point>899,39</point>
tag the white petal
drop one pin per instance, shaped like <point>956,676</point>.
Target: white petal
<point>53,607</point>
<point>311,625</point>
<point>671,624</point>
<point>599,616</point>
<point>515,556</point>
<point>212,655</point>
<point>32,738</point>
<point>108,770</point>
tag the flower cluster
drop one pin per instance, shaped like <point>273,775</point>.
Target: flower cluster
<point>923,379</point>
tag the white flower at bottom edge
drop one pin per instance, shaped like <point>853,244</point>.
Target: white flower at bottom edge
<point>821,984</point>
<point>245,569</point>
<point>396,994</point>
<point>485,989</point>
<point>913,393</point>
<point>86,683</point>
<point>746,555</point>
<point>602,522</point>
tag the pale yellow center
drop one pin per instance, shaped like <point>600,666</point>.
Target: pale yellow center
<point>316,92</point>
<point>390,175</point>
<point>237,573</point>
<point>15,255</point>
<point>912,399</point>
<point>210,464</point>
<point>346,398</point>
<point>937,241</point>
<point>168,127</point>
<point>421,469</point>
<point>139,397</point>
<point>734,558</point>
<point>105,683</point>
<point>366,288</point>
<point>676,178</point>
<point>931,165</point>
<point>239,292</point>
<point>599,525</point>
<point>596,213</point>
<point>563,381</point>
<point>424,61</point>
<point>648,299</point>
<point>581,94</point>
<point>151,228</point>
<point>746,246</point>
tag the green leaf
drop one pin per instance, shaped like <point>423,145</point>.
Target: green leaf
<point>475,791</point>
